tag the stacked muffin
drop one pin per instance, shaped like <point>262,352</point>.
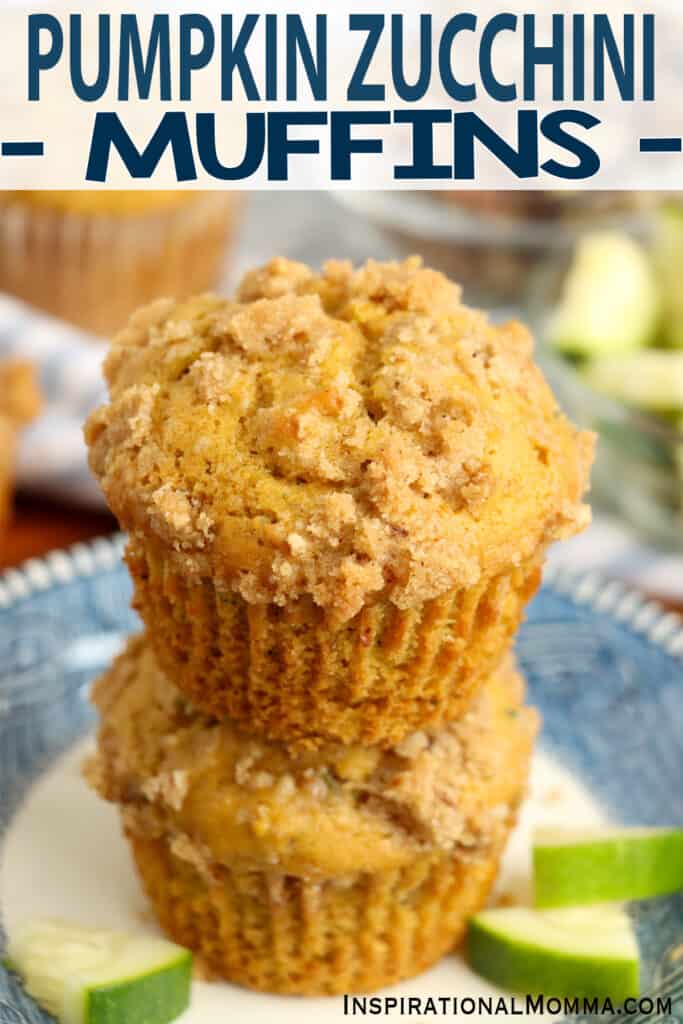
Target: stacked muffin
<point>339,489</point>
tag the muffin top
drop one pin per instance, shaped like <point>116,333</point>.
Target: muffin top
<point>344,435</point>
<point>220,796</point>
<point>107,202</point>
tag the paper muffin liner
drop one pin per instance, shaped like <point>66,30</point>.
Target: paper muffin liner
<point>96,269</point>
<point>279,933</point>
<point>285,673</point>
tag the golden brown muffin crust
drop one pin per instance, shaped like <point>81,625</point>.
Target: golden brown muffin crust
<point>102,202</point>
<point>222,796</point>
<point>345,435</point>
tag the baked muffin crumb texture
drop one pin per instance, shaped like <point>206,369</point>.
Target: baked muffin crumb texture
<point>347,435</point>
<point>226,797</point>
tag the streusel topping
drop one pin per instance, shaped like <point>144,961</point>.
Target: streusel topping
<point>341,435</point>
<point>179,773</point>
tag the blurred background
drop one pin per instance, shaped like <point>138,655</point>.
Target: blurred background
<point>596,274</point>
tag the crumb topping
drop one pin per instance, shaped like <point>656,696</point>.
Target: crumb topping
<point>343,435</point>
<point>181,774</point>
<point>169,788</point>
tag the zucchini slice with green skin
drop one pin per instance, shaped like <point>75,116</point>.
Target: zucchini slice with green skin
<point>678,453</point>
<point>610,301</point>
<point>651,380</point>
<point>595,865</point>
<point>581,952</point>
<point>89,976</point>
<point>668,262</point>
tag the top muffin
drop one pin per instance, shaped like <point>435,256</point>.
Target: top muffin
<point>341,435</point>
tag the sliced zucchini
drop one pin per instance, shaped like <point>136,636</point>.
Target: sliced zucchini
<point>88,976</point>
<point>651,380</point>
<point>594,865</point>
<point>582,952</point>
<point>610,301</point>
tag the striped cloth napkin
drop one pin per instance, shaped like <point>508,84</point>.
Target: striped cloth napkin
<point>52,457</point>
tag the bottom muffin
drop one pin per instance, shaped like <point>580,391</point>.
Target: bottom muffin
<point>337,870</point>
<point>280,933</point>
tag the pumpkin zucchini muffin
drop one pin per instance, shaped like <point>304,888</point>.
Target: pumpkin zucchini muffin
<point>93,257</point>
<point>19,404</point>
<point>237,839</point>
<point>339,489</point>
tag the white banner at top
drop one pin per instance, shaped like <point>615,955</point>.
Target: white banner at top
<point>368,95</point>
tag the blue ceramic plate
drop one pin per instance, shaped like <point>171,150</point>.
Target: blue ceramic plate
<point>605,668</point>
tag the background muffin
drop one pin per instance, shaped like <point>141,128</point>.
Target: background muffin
<point>339,490</point>
<point>547,205</point>
<point>19,404</point>
<point>237,839</point>
<point>94,257</point>
<point>496,244</point>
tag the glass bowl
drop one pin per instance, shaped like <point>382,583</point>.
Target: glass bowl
<point>638,472</point>
<point>491,242</point>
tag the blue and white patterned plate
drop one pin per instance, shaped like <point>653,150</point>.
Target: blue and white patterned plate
<point>605,668</point>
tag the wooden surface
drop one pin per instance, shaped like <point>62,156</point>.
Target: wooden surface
<point>39,526</point>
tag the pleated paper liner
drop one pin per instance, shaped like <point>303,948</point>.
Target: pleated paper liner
<point>278,933</point>
<point>285,673</point>
<point>95,269</point>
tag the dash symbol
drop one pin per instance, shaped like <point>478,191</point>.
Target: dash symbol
<point>661,145</point>
<point>22,149</point>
